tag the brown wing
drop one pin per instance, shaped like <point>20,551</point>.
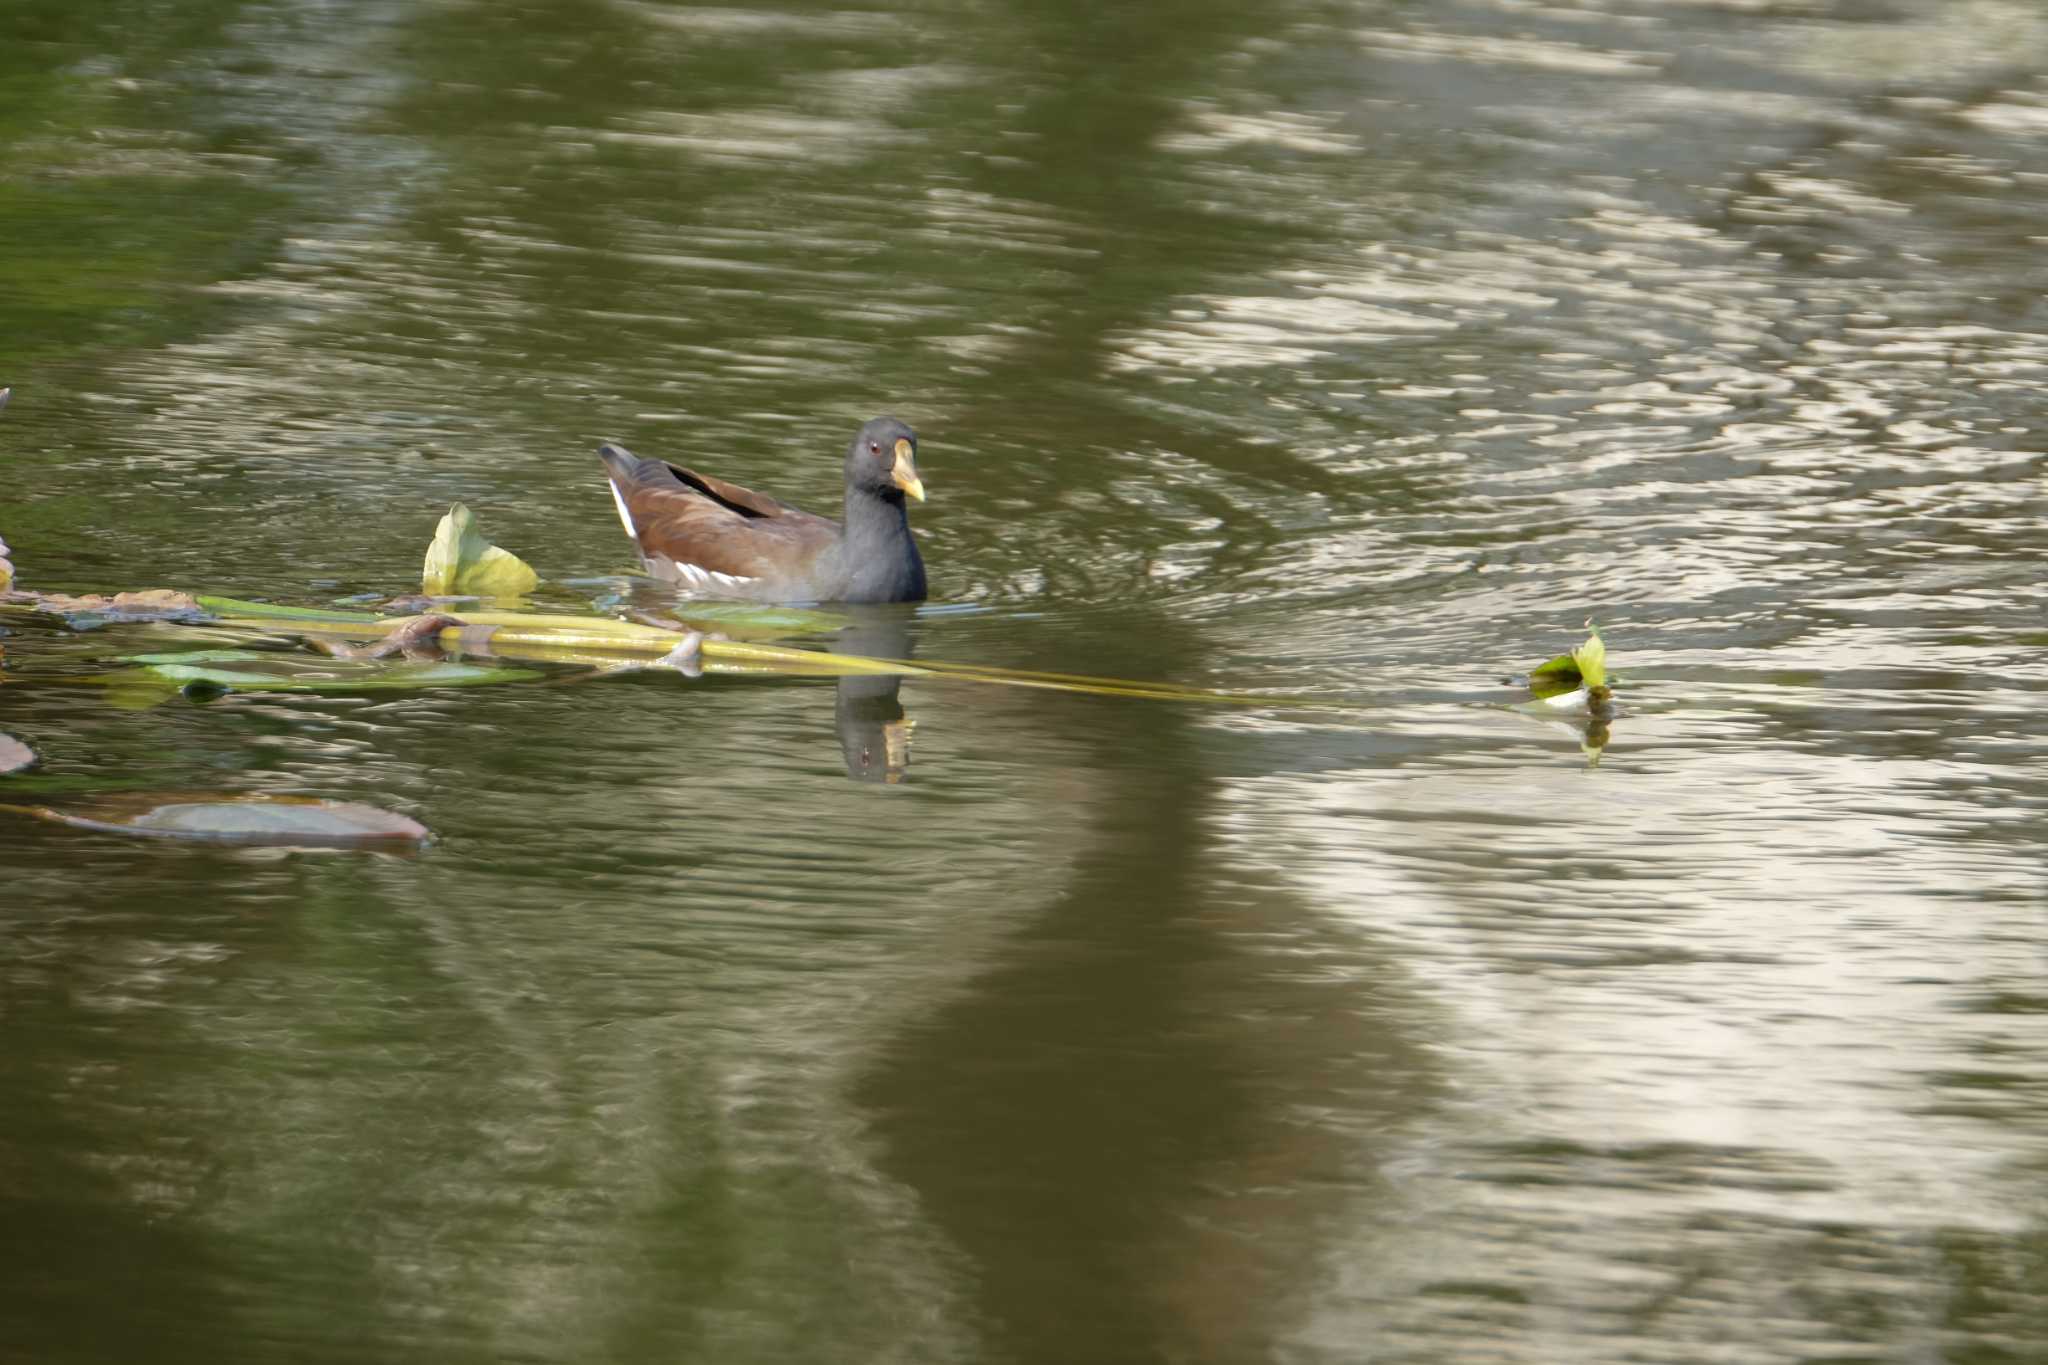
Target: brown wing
<point>683,519</point>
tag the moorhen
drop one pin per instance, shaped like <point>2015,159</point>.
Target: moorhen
<point>706,533</point>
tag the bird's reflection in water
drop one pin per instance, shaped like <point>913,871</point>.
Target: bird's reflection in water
<point>874,734</point>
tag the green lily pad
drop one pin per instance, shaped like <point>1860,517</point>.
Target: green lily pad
<point>274,820</point>
<point>461,561</point>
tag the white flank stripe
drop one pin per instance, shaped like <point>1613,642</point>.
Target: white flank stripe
<point>697,576</point>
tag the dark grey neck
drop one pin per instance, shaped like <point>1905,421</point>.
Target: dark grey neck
<point>878,556</point>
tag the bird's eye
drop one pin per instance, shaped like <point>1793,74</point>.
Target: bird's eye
<point>874,447</point>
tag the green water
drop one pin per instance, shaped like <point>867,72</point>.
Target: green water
<point>1351,352</point>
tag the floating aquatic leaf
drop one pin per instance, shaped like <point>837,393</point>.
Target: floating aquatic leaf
<point>415,603</point>
<point>277,611</point>
<point>1591,658</point>
<point>341,675</point>
<point>461,561</point>
<point>280,820</point>
<point>645,599</point>
<point>14,755</point>
<point>741,618</point>
<point>1585,666</point>
<point>93,610</point>
<point>512,627</point>
<point>1571,691</point>
<point>238,670</point>
<point>137,690</point>
<point>207,656</point>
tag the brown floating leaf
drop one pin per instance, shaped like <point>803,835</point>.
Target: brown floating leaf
<point>291,821</point>
<point>92,609</point>
<point>14,755</point>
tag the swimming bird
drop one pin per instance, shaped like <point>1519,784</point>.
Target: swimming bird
<point>730,541</point>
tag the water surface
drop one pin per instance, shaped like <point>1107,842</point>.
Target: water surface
<point>1351,351</point>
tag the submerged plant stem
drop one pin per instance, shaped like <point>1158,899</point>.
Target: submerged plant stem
<point>601,634</point>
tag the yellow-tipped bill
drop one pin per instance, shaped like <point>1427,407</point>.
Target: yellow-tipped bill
<point>904,472</point>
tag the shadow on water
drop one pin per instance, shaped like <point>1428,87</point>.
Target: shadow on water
<point>1103,1120</point>
<point>75,1240</point>
<point>1114,80</point>
<point>115,1250</point>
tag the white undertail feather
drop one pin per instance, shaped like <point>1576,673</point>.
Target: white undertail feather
<point>625,517</point>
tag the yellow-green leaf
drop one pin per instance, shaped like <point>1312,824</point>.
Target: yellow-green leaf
<point>1591,657</point>
<point>1585,667</point>
<point>461,563</point>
